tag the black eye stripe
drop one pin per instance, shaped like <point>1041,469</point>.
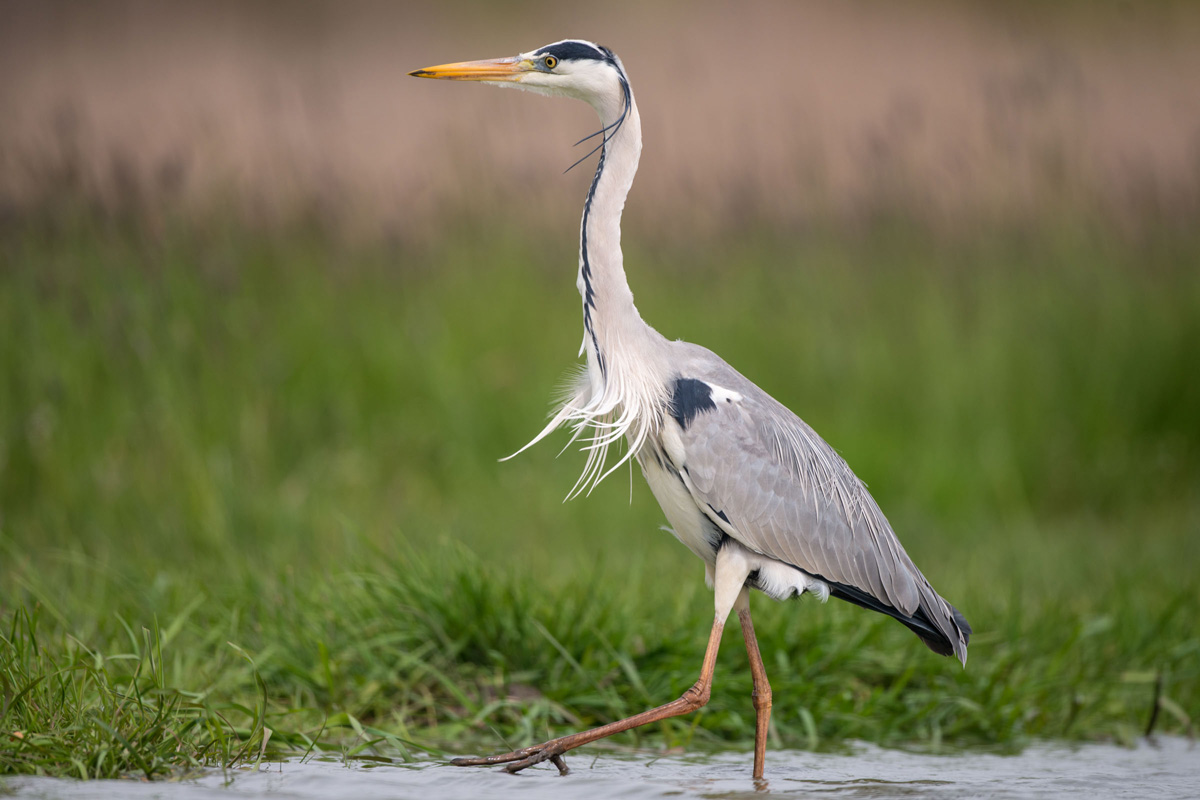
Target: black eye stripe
<point>573,50</point>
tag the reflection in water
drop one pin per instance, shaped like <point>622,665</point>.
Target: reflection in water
<point>1169,770</point>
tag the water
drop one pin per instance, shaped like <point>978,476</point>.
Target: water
<point>1096,772</point>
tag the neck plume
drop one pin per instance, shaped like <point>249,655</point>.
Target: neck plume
<point>620,394</point>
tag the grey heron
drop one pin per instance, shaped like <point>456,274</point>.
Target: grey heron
<point>745,484</point>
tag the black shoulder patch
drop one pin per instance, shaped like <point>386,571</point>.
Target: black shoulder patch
<point>689,398</point>
<point>573,50</point>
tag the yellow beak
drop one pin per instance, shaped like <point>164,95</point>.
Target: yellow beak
<point>494,69</point>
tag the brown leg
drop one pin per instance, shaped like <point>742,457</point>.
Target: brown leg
<point>552,750</point>
<point>762,689</point>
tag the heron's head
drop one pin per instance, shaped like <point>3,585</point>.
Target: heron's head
<point>570,68</point>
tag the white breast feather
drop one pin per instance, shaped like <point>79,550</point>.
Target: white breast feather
<point>605,407</point>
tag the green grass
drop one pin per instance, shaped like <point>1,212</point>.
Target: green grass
<point>248,483</point>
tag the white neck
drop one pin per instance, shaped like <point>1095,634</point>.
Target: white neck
<point>623,392</point>
<point>607,300</point>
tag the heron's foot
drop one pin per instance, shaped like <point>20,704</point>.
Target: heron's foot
<point>518,760</point>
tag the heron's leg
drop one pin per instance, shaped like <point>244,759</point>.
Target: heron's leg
<point>729,585</point>
<point>762,689</point>
<point>552,750</point>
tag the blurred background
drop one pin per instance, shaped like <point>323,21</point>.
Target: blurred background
<point>775,113</point>
<point>270,307</point>
<point>249,261</point>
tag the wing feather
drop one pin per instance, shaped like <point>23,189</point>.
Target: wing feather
<point>788,495</point>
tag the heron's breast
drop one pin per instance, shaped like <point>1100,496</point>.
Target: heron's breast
<point>689,526</point>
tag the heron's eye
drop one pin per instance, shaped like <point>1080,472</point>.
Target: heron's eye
<point>550,61</point>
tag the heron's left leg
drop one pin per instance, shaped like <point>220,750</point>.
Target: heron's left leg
<point>762,689</point>
<point>729,579</point>
<point>552,751</point>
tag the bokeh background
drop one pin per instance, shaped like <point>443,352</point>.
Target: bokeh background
<point>270,312</point>
<point>773,113</point>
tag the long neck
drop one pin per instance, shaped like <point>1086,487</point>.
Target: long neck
<point>608,309</point>
<point>623,394</point>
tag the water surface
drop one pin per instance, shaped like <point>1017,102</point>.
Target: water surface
<point>1169,770</point>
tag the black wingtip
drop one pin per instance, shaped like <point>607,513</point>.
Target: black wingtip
<point>920,622</point>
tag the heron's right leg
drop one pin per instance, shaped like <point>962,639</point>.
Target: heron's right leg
<point>762,689</point>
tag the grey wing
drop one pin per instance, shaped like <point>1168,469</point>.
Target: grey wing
<point>767,479</point>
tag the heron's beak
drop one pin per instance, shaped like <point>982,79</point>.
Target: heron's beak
<point>494,69</point>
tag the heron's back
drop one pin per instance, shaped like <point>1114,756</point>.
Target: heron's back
<point>760,474</point>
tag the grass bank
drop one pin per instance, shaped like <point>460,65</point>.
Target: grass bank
<point>248,483</point>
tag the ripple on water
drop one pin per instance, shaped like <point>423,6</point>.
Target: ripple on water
<point>1169,770</point>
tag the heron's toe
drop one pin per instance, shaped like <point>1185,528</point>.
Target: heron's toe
<point>552,752</point>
